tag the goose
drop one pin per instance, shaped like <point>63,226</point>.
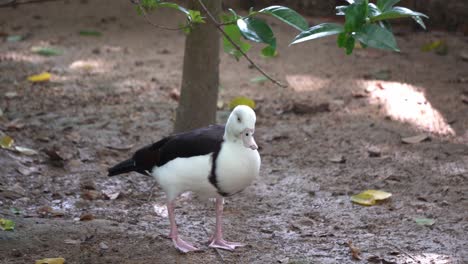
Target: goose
<point>213,162</point>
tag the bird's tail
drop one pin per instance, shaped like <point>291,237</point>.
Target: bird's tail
<point>123,167</point>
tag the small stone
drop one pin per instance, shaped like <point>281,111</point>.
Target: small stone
<point>374,152</point>
<point>103,246</point>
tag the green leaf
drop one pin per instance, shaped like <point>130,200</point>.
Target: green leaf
<point>6,225</point>
<point>373,10</point>
<point>149,4</point>
<point>46,51</point>
<point>419,20</point>
<point>259,79</point>
<point>341,40</point>
<point>90,33</point>
<point>15,210</point>
<point>269,52</point>
<point>318,31</point>
<point>375,36</point>
<point>356,16</point>
<point>286,15</point>
<point>349,45</point>
<point>256,30</point>
<point>341,10</point>
<point>397,12</point>
<point>385,5</point>
<point>176,7</point>
<point>195,16</point>
<point>424,221</point>
<point>234,33</point>
<point>14,38</point>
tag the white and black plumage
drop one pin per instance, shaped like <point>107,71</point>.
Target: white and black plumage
<point>214,162</point>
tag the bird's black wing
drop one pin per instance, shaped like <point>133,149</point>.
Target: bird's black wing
<point>197,142</point>
<point>194,143</point>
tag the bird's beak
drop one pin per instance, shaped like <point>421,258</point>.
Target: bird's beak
<point>248,139</point>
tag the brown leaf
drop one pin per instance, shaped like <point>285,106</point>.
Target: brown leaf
<point>90,195</point>
<point>86,217</point>
<point>355,252</point>
<point>174,94</point>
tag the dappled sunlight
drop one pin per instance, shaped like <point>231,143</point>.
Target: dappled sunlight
<point>91,66</point>
<point>430,258</point>
<point>407,103</point>
<point>303,82</point>
<point>19,57</point>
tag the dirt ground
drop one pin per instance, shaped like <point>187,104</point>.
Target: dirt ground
<point>335,132</point>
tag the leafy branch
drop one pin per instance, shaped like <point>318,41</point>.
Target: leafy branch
<point>239,49</point>
<point>364,22</point>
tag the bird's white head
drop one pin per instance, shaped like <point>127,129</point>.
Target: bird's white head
<point>241,126</point>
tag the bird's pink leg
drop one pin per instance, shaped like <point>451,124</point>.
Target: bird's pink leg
<point>174,235</point>
<point>217,240</point>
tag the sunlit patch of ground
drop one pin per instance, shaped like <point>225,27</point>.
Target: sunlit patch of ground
<point>304,82</point>
<point>20,57</point>
<point>407,103</point>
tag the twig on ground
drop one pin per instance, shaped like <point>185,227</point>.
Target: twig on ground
<point>14,3</point>
<point>151,191</point>
<point>218,26</point>
<point>402,251</point>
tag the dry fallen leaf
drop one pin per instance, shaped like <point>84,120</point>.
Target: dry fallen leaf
<point>51,261</point>
<point>26,151</point>
<point>90,194</point>
<point>86,217</point>
<point>424,221</point>
<point>415,139</point>
<point>6,225</point>
<point>72,241</point>
<point>355,252</point>
<point>43,77</point>
<point>337,159</point>
<point>111,195</point>
<point>6,142</point>
<point>370,197</point>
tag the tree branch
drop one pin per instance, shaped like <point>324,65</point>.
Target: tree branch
<point>219,27</point>
<point>145,16</point>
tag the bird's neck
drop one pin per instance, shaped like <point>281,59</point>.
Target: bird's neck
<point>230,137</point>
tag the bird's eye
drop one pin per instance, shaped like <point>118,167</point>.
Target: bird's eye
<point>246,134</point>
<point>238,119</point>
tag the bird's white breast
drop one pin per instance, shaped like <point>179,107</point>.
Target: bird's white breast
<point>236,167</point>
<point>186,174</point>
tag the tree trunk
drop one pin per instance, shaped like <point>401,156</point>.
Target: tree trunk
<point>200,77</point>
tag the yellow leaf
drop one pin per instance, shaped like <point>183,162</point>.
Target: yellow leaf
<point>51,261</point>
<point>242,101</point>
<point>43,77</point>
<point>378,195</point>
<point>370,197</point>
<point>363,199</point>
<point>6,142</point>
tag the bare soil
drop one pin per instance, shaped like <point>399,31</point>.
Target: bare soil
<point>334,132</point>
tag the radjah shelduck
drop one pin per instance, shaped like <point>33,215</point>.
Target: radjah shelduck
<point>213,162</point>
